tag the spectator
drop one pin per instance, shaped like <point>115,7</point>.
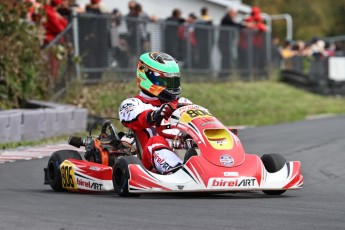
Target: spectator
<point>142,19</point>
<point>205,16</point>
<point>186,34</point>
<point>256,23</point>
<point>276,52</point>
<point>94,43</point>
<point>329,49</point>
<point>204,40</point>
<point>228,32</point>
<point>287,51</point>
<point>131,21</point>
<point>54,23</point>
<point>93,7</point>
<point>307,49</point>
<point>118,45</point>
<point>66,9</point>
<point>318,48</point>
<point>172,42</point>
<point>299,48</point>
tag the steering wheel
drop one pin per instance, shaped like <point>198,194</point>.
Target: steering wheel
<point>107,125</point>
<point>160,128</point>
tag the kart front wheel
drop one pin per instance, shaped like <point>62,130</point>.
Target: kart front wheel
<point>273,162</point>
<point>53,168</point>
<point>121,175</point>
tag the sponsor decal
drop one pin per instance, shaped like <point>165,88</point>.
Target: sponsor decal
<point>95,168</point>
<point>89,184</point>
<point>221,141</point>
<point>209,123</point>
<point>180,187</point>
<point>226,160</point>
<point>230,183</point>
<point>230,173</point>
<point>188,107</point>
<point>128,105</point>
<point>126,108</point>
<point>162,162</point>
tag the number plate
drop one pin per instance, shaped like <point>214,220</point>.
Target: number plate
<point>67,175</point>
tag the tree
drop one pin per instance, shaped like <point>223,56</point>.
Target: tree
<point>310,17</point>
<point>22,65</point>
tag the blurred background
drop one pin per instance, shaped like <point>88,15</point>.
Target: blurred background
<point>85,53</point>
<point>213,40</point>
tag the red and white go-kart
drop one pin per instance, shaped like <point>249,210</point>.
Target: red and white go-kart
<point>214,162</point>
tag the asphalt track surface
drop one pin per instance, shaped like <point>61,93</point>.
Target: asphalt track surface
<point>25,203</point>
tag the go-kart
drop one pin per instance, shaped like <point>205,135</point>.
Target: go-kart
<point>92,169</point>
<point>214,162</point>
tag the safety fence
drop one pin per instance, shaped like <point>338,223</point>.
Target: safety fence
<point>109,48</point>
<point>97,48</point>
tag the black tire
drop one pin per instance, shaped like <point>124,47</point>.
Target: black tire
<point>273,162</point>
<point>190,152</point>
<point>121,175</point>
<point>53,168</point>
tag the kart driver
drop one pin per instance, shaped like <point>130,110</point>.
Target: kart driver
<point>158,77</point>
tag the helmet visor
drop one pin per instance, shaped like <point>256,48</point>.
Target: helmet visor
<point>169,80</point>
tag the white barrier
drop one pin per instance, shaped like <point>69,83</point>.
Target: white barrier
<point>336,69</point>
<point>49,120</point>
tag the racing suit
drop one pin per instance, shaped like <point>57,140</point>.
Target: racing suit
<point>156,154</point>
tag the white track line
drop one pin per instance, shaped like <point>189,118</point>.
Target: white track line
<point>31,153</point>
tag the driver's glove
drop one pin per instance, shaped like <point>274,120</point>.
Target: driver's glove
<point>164,112</point>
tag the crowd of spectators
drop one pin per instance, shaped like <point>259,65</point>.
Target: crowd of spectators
<point>316,47</point>
<point>178,31</point>
<point>290,54</point>
<point>187,39</point>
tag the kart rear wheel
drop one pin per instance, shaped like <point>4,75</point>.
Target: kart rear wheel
<point>121,175</point>
<point>273,162</point>
<point>53,168</point>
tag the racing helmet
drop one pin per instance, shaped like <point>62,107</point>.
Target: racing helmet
<point>159,75</point>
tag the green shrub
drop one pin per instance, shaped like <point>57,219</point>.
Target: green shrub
<point>22,65</point>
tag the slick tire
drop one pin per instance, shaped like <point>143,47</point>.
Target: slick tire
<point>121,175</point>
<point>273,162</point>
<point>53,168</point>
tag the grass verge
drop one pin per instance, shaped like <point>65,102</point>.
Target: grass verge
<point>233,103</point>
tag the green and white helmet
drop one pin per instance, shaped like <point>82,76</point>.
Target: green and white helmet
<point>159,74</point>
